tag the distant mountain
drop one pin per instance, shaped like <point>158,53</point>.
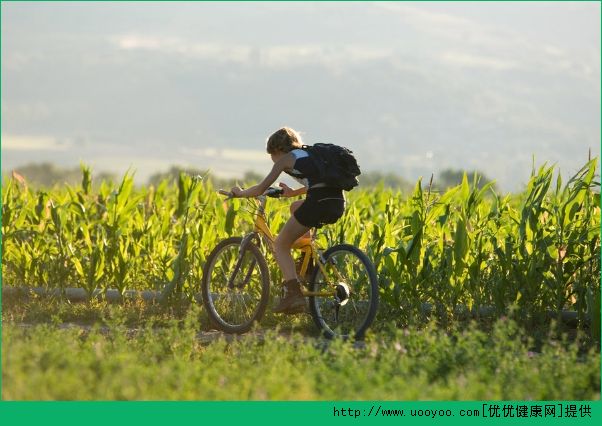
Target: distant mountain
<point>413,89</point>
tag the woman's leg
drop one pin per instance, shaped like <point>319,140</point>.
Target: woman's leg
<point>294,206</point>
<point>291,231</point>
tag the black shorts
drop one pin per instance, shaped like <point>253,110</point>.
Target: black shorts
<point>321,206</point>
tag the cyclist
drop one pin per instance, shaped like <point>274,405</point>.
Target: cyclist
<point>322,205</point>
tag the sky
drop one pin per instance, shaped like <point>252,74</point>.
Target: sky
<point>411,88</point>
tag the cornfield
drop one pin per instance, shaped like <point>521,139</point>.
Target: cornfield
<point>535,251</point>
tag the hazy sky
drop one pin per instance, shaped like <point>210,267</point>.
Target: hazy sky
<point>412,88</point>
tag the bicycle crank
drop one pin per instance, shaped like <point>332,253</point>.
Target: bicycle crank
<point>341,297</point>
<point>342,294</point>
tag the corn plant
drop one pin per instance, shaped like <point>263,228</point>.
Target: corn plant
<point>538,249</point>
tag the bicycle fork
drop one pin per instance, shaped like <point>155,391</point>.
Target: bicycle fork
<point>247,239</point>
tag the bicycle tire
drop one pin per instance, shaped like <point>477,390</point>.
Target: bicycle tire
<point>321,308</point>
<point>222,256</point>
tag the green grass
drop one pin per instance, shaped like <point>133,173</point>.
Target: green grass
<point>48,362</point>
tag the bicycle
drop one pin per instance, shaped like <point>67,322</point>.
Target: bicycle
<point>342,289</point>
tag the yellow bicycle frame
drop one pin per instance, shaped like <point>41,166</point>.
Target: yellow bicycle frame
<point>306,245</point>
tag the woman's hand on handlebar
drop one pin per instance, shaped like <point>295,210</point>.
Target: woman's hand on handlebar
<point>236,191</point>
<point>290,192</point>
<point>287,191</point>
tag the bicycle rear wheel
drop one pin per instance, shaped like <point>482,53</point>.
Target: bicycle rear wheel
<point>351,277</point>
<point>235,286</point>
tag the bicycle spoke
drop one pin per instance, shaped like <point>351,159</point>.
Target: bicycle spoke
<point>246,308</point>
<point>224,275</point>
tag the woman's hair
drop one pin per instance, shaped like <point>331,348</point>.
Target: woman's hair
<point>283,140</point>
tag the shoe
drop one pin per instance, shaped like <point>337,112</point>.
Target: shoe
<point>293,301</point>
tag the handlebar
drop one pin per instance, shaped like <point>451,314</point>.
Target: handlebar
<point>270,192</point>
<point>274,192</point>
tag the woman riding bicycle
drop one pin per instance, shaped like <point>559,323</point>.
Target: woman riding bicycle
<point>322,205</point>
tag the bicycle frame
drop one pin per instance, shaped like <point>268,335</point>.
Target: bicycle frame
<point>306,246</point>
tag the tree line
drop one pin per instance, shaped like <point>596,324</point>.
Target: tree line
<point>48,175</point>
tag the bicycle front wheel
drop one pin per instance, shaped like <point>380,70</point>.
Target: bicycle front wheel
<point>235,286</point>
<point>349,293</point>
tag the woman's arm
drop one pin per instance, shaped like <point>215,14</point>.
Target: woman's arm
<point>286,162</point>
<point>289,192</point>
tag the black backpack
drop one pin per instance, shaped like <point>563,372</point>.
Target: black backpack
<point>337,166</point>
